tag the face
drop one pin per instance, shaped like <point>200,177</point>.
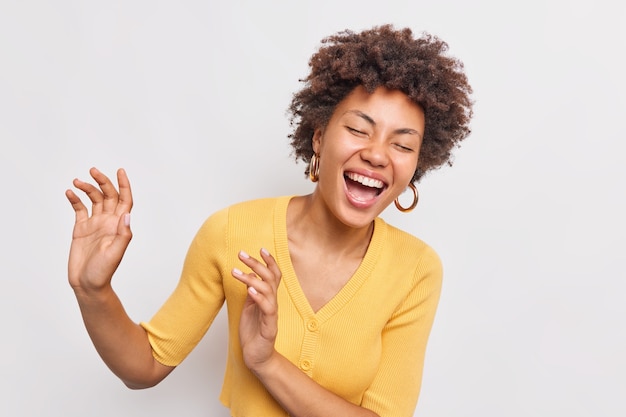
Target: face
<point>368,153</point>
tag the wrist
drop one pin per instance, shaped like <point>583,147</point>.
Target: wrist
<point>93,293</point>
<point>267,366</point>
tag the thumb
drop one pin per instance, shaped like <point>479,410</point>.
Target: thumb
<point>124,234</point>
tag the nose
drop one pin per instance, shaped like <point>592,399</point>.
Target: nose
<point>376,153</point>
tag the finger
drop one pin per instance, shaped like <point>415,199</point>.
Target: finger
<point>267,305</point>
<point>272,265</point>
<point>79,208</point>
<point>259,291</point>
<point>109,193</point>
<point>254,283</point>
<point>113,254</point>
<point>125,203</point>
<point>248,279</point>
<point>124,234</point>
<point>258,267</point>
<point>93,194</point>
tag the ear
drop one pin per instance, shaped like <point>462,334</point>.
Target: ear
<point>316,142</point>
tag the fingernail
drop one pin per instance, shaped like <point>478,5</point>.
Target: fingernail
<point>243,254</point>
<point>252,290</point>
<point>127,219</point>
<point>237,271</point>
<point>265,252</point>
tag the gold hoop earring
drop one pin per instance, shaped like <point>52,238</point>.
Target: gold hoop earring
<point>314,168</point>
<point>415,200</point>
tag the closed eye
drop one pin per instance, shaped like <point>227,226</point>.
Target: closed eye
<point>356,131</point>
<point>403,148</point>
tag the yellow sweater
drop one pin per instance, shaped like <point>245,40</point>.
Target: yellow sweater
<point>366,345</point>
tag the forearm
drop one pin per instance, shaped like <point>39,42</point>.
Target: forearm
<point>121,343</point>
<point>300,395</point>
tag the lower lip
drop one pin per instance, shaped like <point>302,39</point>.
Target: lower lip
<point>358,203</point>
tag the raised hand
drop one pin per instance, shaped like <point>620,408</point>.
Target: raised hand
<point>259,319</point>
<point>99,240</point>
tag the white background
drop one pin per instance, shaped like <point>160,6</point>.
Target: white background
<point>190,98</point>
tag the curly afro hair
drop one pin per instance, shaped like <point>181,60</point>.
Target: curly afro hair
<point>384,56</point>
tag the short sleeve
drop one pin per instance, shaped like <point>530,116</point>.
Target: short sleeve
<point>396,386</point>
<point>182,321</point>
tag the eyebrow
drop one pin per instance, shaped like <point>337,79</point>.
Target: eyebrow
<point>368,119</point>
<point>363,116</point>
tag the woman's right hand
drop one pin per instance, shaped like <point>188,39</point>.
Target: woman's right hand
<point>99,240</point>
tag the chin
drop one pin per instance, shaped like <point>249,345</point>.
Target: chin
<point>358,217</point>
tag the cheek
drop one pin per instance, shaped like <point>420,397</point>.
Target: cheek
<point>338,149</point>
<point>406,168</point>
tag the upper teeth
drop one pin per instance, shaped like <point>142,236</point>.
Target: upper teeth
<point>368,182</point>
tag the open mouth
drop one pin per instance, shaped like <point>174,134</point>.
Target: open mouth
<point>363,188</point>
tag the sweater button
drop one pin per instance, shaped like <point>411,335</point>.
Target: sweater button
<point>306,365</point>
<point>312,325</point>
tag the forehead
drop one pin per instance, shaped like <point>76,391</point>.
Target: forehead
<point>382,106</point>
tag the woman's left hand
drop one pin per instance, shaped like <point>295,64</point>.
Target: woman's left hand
<point>259,318</point>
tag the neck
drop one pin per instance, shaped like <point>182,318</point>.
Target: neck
<point>311,224</point>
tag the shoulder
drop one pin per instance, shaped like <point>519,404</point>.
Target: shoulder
<point>261,204</point>
<point>398,239</point>
<point>240,218</point>
<point>245,208</point>
<point>404,249</point>
<point>254,213</point>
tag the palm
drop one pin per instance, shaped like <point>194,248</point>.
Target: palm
<point>258,325</point>
<point>99,240</point>
<point>90,252</point>
<point>257,333</point>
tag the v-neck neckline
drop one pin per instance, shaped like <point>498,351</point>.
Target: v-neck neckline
<point>290,279</point>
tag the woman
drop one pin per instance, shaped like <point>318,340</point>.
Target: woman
<point>333,314</point>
